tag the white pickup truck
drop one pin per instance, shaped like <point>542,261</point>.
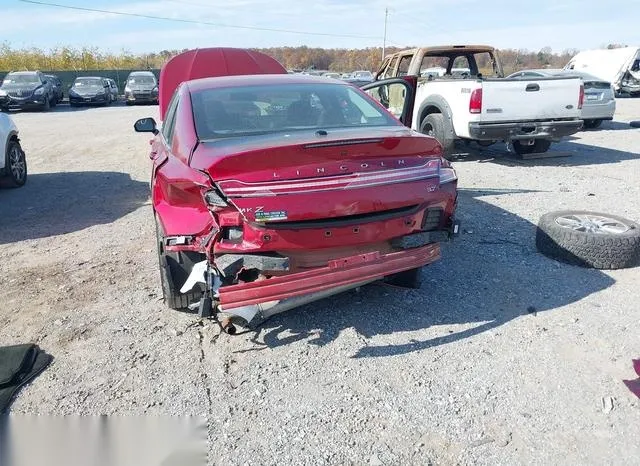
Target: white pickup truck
<point>459,92</point>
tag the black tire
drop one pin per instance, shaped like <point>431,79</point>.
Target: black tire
<point>15,166</point>
<point>539,146</point>
<point>174,270</point>
<point>434,125</point>
<point>47,105</point>
<point>407,279</point>
<point>560,237</point>
<point>592,124</point>
<point>635,124</point>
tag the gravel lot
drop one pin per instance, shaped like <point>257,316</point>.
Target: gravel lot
<point>502,357</point>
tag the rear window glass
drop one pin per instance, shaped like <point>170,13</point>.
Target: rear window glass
<point>241,111</point>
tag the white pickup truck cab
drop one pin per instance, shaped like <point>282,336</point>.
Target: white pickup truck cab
<point>459,92</point>
<point>13,165</point>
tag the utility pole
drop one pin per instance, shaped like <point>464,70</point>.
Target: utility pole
<point>384,39</point>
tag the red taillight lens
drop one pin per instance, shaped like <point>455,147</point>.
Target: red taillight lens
<point>475,102</point>
<point>581,98</point>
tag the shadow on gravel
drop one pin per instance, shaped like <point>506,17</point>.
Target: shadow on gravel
<point>57,203</point>
<point>489,276</point>
<point>581,154</point>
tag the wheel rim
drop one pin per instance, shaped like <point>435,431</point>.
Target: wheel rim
<point>597,224</point>
<point>17,164</point>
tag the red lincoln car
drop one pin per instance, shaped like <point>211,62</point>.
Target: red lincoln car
<point>272,190</point>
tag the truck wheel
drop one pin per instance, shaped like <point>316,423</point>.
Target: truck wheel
<point>589,239</point>
<point>407,279</point>
<point>539,146</point>
<point>592,124</point>
<point>174,270</point>
<point>434,125</point>
<point>15,166</point>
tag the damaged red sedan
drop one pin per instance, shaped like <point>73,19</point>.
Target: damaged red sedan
<point>273,190</point>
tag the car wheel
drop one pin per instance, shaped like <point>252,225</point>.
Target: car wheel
<point>47,105</point>
<point>592,124</point>
<point>433,125</point>
<point>15,165</point>
<point>589,239</point>
<point>407,279</point>
<point>539,146</point>
<point>635,124</point>
<point>174,271</point>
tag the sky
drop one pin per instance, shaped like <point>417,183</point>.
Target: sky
<point>532,25</point>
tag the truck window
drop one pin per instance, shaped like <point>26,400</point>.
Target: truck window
<point>403,66</point>
<point>390,71</point>
<point>487,65</point>
<point>433,67</point>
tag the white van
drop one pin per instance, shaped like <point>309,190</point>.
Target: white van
<point>621,67</point>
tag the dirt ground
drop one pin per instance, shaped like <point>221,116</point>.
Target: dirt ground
<point>502,357</point>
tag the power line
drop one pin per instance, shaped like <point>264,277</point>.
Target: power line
<point>193,21</point>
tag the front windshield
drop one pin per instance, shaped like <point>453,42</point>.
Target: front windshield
<point>85,82</point>
<point>142,80</point>
<point>240,111</point>
<point>21,78</point>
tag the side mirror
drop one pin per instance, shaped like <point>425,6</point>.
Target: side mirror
<point>44,81</point>
<point>146,125</point>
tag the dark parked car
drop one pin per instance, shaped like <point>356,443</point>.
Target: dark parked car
<point>90,90</point>
<point>58,91</point>
<point>142,86</point>
<point>26,89</point>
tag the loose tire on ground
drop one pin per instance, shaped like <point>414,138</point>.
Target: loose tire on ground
<point>434,125</point>
<point>174,270</point>
<point>589,239</point>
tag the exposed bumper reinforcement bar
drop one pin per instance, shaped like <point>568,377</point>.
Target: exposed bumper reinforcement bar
<point>268,297</point>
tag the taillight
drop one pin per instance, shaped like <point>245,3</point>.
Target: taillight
<point>475,102</point>
<point>581,98</point>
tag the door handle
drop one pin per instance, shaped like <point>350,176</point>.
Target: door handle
<point>532,87</point>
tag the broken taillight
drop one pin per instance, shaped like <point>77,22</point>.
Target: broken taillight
<point>214,199</point>
<point>475,102</point>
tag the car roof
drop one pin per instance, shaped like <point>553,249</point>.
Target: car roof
<point>89,77</point>
<point>258,79</point>
<point>22,72</point>
<point>141,73</point>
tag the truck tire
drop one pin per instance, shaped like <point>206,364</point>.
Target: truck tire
<point>434,125</point>
<point>592,124</point>
<point>539,146</point>
<point>589,239</point>
<point>174,270</point>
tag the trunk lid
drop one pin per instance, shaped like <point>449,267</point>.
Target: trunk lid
<point>530,99</point>
<point>306,177</point>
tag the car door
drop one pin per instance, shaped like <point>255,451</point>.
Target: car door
<point>396,95</point>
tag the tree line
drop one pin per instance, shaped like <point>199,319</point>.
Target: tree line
<point>300,58</point>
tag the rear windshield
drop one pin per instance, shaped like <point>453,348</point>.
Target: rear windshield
<point>21,78</point>
<point>240,111</point>
<point>79,82</point>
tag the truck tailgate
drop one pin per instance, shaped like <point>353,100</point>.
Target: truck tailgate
<point>530,99</point>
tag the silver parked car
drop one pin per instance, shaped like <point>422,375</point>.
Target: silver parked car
<point>113,89</point>
<point>599,99</point>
